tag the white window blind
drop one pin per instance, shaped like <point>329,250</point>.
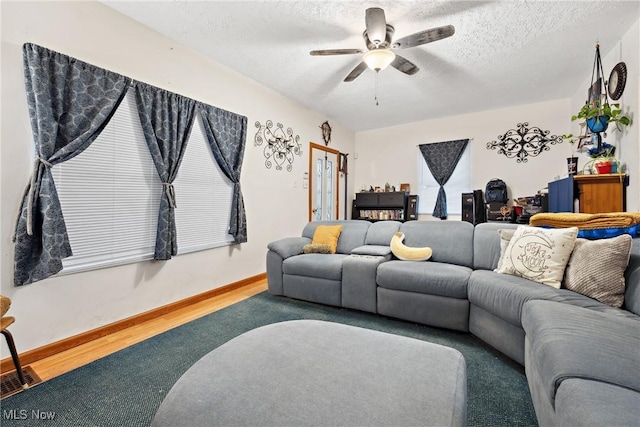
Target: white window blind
<point>460,182</point>
<point>110,196</point>
<point>203,197</point>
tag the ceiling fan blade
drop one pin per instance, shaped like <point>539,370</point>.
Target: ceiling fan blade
<point>356,72</point>
<point>325,52</point>
<point>376,25</point>
<point>426,36</point>
<point>404,65</point>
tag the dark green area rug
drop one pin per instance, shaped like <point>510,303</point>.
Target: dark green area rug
<point>126,388</point>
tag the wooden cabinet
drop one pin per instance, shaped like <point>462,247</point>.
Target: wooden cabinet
<point>380,206</point>
<point>602,193</point>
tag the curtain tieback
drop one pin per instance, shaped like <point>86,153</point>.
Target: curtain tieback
<point>171,194</point>
<point>32,193</point>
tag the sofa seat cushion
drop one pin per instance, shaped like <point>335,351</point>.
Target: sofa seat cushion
<point>323,266</point>
<point>504,296</point>
<point>594,403</point>
<point>572,342</point>
<point>426,277</point>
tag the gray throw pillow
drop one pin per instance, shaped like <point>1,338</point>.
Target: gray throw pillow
<point>317,248</point>
<point>596,269</point>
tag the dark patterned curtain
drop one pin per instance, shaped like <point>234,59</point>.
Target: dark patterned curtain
<point>166,120</point>
<point>226,133</point>
<point>70,102</point>
<point>442,158</point>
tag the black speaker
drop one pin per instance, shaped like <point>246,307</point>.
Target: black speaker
<point>412,207</point>
<point>473,207</point>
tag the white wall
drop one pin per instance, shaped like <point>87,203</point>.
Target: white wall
<point>391,154</point>
<point>627,142</point>
<point>276,201</point>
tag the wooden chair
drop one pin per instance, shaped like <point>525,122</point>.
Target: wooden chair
<point>5,321</point>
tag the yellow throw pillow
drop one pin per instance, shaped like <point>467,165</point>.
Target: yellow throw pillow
<point>407,253</point>
<point>327,235</point>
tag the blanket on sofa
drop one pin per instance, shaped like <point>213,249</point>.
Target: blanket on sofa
<point>586,221</point>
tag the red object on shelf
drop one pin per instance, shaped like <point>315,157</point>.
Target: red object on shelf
<point>603,167</point>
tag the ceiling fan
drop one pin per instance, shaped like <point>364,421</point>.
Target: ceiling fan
<point>378,37</point>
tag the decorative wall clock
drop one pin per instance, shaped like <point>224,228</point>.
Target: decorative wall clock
<point>326,132</point>
<point>617,80</point>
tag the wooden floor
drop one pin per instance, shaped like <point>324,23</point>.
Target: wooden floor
<point>66,361</point>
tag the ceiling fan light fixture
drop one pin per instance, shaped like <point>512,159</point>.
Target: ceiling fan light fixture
<point>378,59</point>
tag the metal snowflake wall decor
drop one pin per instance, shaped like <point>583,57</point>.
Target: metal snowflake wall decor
<point>281,146</point>
<point>524,142</point>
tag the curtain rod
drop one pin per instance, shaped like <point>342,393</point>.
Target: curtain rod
<point>470,139</point>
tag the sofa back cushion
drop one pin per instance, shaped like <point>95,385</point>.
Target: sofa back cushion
<point>486,244</point>
<point>381,232</point>
<point>632,279</point>
<point>451,241</point>
<point>352,235</point>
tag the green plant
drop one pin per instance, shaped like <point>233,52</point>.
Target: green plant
<point>571,140</point>
<point>606,151</point>
<point>613,111</point>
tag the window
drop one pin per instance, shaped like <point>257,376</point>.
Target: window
<point>203,197</point>
<point>460,182</point>
<point>110,196</point>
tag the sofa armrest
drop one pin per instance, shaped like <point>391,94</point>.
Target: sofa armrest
<point>359,288</point>
<point>372,250</point>
<point>289,246</point>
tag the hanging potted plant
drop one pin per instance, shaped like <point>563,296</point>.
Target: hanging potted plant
<point>598,117</point>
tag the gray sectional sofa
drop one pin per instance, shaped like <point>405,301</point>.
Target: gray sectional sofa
<point>581,357</point>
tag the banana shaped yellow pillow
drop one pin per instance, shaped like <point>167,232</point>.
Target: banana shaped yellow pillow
<point>407,253</point>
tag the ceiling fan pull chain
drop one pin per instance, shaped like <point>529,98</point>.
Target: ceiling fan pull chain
<point>375,90</point>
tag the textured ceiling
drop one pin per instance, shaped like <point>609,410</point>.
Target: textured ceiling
<point>503,52</point>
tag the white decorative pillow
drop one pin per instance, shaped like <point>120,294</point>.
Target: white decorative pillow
<point>539,254</point>
<point>505,238</point>
<point>596,269</point>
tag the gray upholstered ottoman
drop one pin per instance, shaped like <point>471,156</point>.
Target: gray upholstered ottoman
<point>308,372</point>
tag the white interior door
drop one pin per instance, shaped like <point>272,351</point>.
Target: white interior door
<point>323,183</point>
